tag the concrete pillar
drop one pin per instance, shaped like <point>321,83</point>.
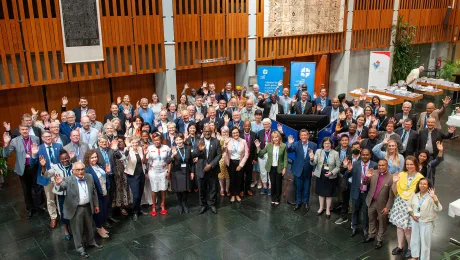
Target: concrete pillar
<point>165,82</point>
<point>393,36</point>
<point>244,70</point>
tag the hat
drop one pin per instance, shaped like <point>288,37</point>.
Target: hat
<point>238,88</point>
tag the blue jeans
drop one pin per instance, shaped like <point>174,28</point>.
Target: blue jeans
<point>302,187</point>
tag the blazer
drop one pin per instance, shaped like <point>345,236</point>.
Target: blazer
<point>282,157</point>
<point>261,137</point>
<point>65,128</point>
<point>120,116</point>
<point>83,149</point>
<point>180,125</point>
<point>17,145</point>
<point>70,185</point>
<point>412,138</point>
<point>300,161</point>
<point>251,146</point>
<point>355,174</point>
<point>212,158</point>
<point>386,195</point>
<point>64,139</point>
<point>131,161</point>
<point>266,106</point>
<point>297,108</point>
<point>37,132</point>
<point>57,169</point>
<point>242,150</point>
<point>327,111</point>
<point>395,137</point>
<point>436,114</point>
<point>42,151</point>
<point>77,112</point>
<point>101,160</point>
<point>203,110</point>
<point>219,123</point>
<point>436,135</point>
<point>97,183</point>
<point>232,123</point>
<point>317,101</point>
<point>221,114</point>
<point>411,116</point>
<point>172,116</point>
<point>333,163</point>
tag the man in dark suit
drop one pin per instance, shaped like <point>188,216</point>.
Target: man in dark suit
<point>300,89</point>
<point>249,137</point>
<point>57,137</point>
<point>222,110</point>
<point>379,201</point>
<point>105,156</point>
<point>226,93</point>
<point>409,138</point>
<point>323,100</point>
<point>209,153</point>
<point>114,112</point>
<point>66,128</point>
<point>26,119</point>
<point>218,123</point>
<point>429,136</point>
<point>358,190</point>
<point>332,112</point>
<point>301,107</point>
<point>383,120</point>
<point>183,122</point>
<point>370,142</point>
<point>48,151</point>
<point>271,108</point>
<point>302,169</point>
<point>405,114</point>
<point>200,107</point>
<point>80,187</point>
<point>80,111</point>
<point>76,148</point>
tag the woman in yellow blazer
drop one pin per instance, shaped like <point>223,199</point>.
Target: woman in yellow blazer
<point>276,164</point>
<point>327,162</point>
<point>404,186</point>
<point>236,154</point>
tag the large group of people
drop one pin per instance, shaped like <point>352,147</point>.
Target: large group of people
<point>379,168</point>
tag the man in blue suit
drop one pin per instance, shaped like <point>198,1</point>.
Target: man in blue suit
<point>302,169</point>
<point>50,152</point>
<point>322,100</point>
<point>358,191</point>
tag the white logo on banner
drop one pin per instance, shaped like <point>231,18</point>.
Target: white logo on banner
<point>305,72</point>
<point>265,71</point>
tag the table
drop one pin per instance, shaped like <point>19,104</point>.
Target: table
<point>384,99</point>
<point>447,88</point>
<point>454,210</point>
<point>383,92</point>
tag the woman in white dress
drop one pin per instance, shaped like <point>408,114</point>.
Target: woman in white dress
<point>156,106</point>
<point>158,156</point>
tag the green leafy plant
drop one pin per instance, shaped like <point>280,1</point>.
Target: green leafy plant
<point>3,164</point>
<point>405,58</point>
<point>449,69</point>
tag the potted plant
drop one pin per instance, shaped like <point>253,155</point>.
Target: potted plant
<point>449,69</point>
<point>405,58</point>
<point>3,164</point>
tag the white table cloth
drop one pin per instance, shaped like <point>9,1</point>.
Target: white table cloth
<point>454,208</point>
<point>454,121</point>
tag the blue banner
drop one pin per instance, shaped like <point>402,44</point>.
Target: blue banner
<point>302,73</point>
<point>268,78</point>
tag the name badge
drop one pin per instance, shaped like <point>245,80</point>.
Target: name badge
<point>191,151</point>
<point>417,214</point>
<point>183,165</point>
<point>326,168</point>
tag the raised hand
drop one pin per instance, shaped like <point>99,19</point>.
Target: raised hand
<point>226,119</point>
<point>156,122</point>
<point>54,115</point>
<point>446,101</point>
<point>34,149</point>
<point>359,139</point>
<point>290,139</point>
<point>186,86</point>
<point>201,145</point>
<point>338,127</point>
<point>319,107</point>
<point>34,112</point>
<point>386,140</point>
<point>257,143</point>
<point>108,168</point>
<point>311,155</point>
<point>65,101</point>
<point>314,95</point>
<point>266,95</point>
<point>42,161</point>
<point>369,173</point>
<point>280,83</point>
<point>168,99</point>
<point>6,138</point>
<point>245,88</point>
<point>440,146</point>
<point>173,151</point>
<point>160,129</point>
<point>118,100</point>
<point>294,99</point>
<point>432,194</point>
<point>205,84</point>
<point>72,154</point>
<point>7,126</point>
<point>451,129</point>
<point>138,104</point>
<point>375,123</point>
<point>395,177</point>
<point>345,162</point>
<point>58,179</point>
<point>114,144</point>
<point>280,128</point>
<point>127,124</point>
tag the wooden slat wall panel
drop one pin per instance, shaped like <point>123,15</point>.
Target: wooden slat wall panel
<point>294,46</point>
<point>148,35</point>
<point>136,87</point>
<point>237,31</point>
<point>12,60</point>
<point>218,75</point>
<point>372,24</point>
<point>454,23</point>
<point>213,30</point>
<point>12,106</point>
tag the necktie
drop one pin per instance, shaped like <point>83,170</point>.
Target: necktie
<point>82,179</point>
<point>247,140</point>
<point>363,187</point>
<point>404,135</point>
<point>364,168</point>
<point>303,107</point>
<point>50,151</point>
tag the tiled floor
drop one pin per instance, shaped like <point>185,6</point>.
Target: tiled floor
<point>251,230</point>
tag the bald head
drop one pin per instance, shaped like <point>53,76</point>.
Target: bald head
<point>335,103</point>
<point>430,108</point>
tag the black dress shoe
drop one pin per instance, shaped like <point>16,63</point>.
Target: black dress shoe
<point>307,207</point>
<point>368,239</point>
<point>378,245</point>
<point>353,232</point>
<point>203,210</point>
<point>30,214</point>
<point>83,254</point>
<point>396,251</point>
<point>186,210</point>
<point>114,220</point>
<point>297,207</point>
<point>135,217</point>
<point>107,225</point>
<point>96,246</point>
<point>213,209</point>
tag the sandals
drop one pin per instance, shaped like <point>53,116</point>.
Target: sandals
<point>163,210</point>
<point>153,213</point>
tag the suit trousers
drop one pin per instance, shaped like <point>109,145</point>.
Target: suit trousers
<point>236,177</point>
<point>101,217</point>
<point>376,219</point>
<point>82,226</point>
<point>346,202</point>
<point>277,183</point>
<point>111,193</point>
<point>420,242</point>
<point>50,200</point>
<point>263,172</point>
<point>136,182</point>
<point>61,199</point>
<point>208,183</point>
<point>33,192</point>
<point>247,176</point>
<point>359,205</point>
<point>302,185</point>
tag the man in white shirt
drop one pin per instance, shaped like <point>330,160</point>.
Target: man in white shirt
<point>87,134</point>
<point>411,79</point>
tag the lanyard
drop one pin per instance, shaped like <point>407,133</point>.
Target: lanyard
<point>409,182</point>
<point>84,187</point>
<point>27,144</point>
<point>88,136</point>
<point>359,132</point>
<point>100,170</point>
<point>267,136</point>
<point>222,114</point>
<point>380,123</point>
<point>65,170</point>
<point>76,149</point>
<point>305,151</point>
<point>421,202</point>
<point>276,152</point>
<point>326,156</point>
<point>192,140</point>
<point>106,156</point>
<point>426,118</point>
<point>180,153</point>
<point>235,147</point>
<point>159,154</point>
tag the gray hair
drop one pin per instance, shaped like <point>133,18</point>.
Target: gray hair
<point>407,103</point>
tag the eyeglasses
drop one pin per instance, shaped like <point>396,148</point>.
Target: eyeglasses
<point>79,170</point>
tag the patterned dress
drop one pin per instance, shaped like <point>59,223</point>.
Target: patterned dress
<point>223,167</point>
<point>123,192</point>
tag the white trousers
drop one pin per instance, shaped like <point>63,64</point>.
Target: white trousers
<point>420,241</point>
<point>263,172</point>
<point>50,200</point>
